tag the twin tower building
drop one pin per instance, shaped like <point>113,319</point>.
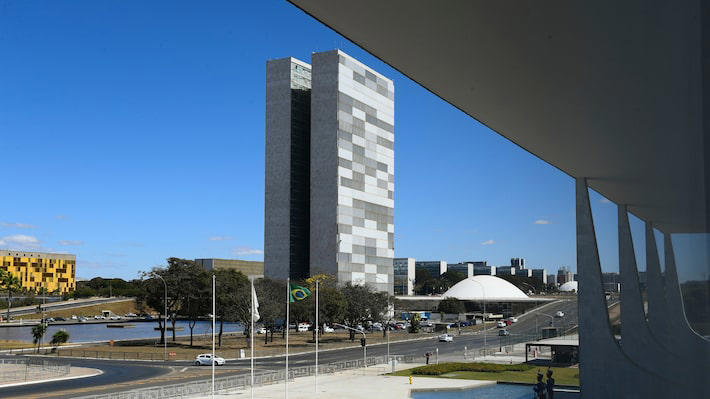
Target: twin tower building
<point>329,204</point>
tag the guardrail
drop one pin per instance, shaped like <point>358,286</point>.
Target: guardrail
<point>26,369</point>
<point>230,383</point>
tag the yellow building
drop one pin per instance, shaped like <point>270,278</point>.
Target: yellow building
<point>55,272</point>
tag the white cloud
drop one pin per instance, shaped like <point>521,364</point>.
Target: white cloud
<point>70,242</point>
<point>489,242</point>
<point>220,238</point>
<point>604,201</point>
<point>542,221</point>
<point>20,241</point>
<point>18,225</point>
<point>246,251</point>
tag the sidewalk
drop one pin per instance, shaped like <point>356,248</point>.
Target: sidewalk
<point>74,373</point>
<point>353,384</point>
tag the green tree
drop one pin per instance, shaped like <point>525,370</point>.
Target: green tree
<point>379,309</point>
<point>11,284</point>
<point>449,278</point>
<point>60,337</point>
<point>38,332</point>
<point>153,290</point>
<point>451,305</point>
<point>356,305</point>
<point>196,300</point>
<point>233,299</point>
<point>414,323</point>
<point>272,304</point>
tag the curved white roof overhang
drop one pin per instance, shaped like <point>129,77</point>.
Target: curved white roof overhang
<point>608,91</point>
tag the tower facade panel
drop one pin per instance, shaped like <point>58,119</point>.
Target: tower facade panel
<point>352,125</point>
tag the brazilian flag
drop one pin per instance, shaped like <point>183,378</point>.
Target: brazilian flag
<point>298,293</point>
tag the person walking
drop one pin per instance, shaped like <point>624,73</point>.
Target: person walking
<point>427,357</point>
<point>550,385</point>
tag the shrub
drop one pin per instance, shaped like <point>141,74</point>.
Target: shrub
<point>443,368</point>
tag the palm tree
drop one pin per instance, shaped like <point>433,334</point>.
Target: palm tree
<point>38,332</point>
<point>10,283</point>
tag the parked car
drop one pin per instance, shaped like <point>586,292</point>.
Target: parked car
<point>446,338</point>
<point>302,328</point>
<point>560,314</point>
<point>73,317</point>
<point>261,330</point>
<point>328,329</point>
<point>115,317</point>
<point>205,359</point>
<point>82,319</point>
<point>500,324</point>
<point>49,320</point>
<point>503,333</point>
<point>508,322</point>
<point>131,315</point>
<point>60,319</point>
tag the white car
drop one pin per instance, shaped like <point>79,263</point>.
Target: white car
<point>560,314</point>
<point>513,319</point>
<point>446,338</point>
<point>501,324</point>
<point>206,360</point>
<point>302,328</point>
<point>261,330</point>
<point>327,329</point>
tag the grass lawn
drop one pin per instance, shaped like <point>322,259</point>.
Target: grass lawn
<point>562,375</point>
<point>8,344</point>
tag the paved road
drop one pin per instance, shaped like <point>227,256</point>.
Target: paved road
<point>116,372</point>
<point>22,310</point>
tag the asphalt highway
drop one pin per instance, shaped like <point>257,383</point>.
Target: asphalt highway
<point>118,372</point>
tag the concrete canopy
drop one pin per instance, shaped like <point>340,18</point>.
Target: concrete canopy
<point>611,91</point>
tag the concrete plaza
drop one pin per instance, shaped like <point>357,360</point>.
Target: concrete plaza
<point>352,384</point>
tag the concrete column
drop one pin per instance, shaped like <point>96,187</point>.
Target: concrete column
<point>636,338</point>
<point>604,370</point>
<point>655,292</point>
<point>674,299</point>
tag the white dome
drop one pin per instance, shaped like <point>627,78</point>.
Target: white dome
<point>569,286</point>
<point>478,288</point>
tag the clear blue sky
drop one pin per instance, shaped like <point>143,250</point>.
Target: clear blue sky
<point>134,131</point>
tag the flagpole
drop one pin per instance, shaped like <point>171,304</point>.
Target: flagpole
<point>288,308</point>
<point>252,337</point>
<point>317,331</point>
<point>213,328</point>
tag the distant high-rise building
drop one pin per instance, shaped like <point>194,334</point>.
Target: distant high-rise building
<point>552,279</point>
<point>329,170</point>
<point>435,268</point>
<point>505,271</point>
<point>564,275</point>
<point>518,263</point>
<point>539,274</point>
<point>247,267</point>
<point>611,281</point>
<point>465,268</point>
<point>403,276</point>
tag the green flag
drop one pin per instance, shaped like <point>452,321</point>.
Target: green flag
<point>298,293</point>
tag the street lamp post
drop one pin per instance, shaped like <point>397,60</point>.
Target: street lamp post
<point>165,317</point>
<point>364,347</point>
